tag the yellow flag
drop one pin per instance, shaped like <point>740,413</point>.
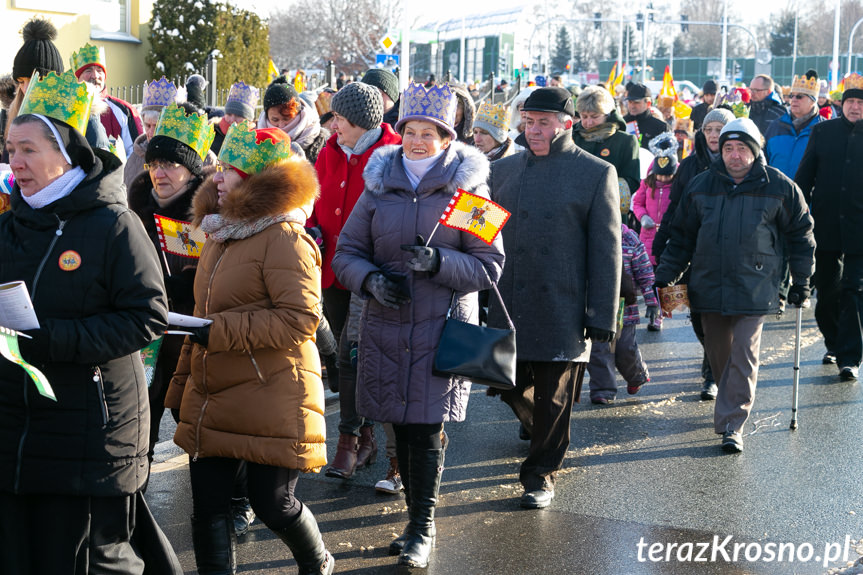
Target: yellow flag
<point>272,72</point>
<point>180,238</point>
<point>611,77</point>
<point>474,214</point>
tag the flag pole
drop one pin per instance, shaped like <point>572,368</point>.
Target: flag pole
<point>165,259</point>
<point>436,226</point>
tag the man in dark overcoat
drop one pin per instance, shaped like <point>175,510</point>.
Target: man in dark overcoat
<point>831,177</point>
<point>561,279</point>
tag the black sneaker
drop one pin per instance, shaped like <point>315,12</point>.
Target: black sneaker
<point>732,442</point>
<point>709,390</point>
<point>848,373</point>
<point>829,358</point>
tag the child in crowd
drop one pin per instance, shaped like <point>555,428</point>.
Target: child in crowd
<point>653,196</point>
<point>623,353</point>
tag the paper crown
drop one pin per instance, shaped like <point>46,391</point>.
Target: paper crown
<point>243,93</point>
<point>87,55</point>
<point>243,150</point>
<point>63,98</point>
<point>853,82</point>
<point>804,85</point>
<point>159,94</point>
<point>436,104</point>
<point>193,130</point>
<point>735,101</point>
<point>496,115</point>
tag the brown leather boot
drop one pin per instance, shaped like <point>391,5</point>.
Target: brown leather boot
<point>367,453</point>
<point>345,460</point>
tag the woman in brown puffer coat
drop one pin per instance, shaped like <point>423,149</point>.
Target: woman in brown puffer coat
<point>251,380</point>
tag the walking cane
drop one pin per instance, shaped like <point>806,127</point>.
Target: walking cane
<point>796,388</point>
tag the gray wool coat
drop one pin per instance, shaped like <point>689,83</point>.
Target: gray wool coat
<point>563,249</point>
<point>395,382</point>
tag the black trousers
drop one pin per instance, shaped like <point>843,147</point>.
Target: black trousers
<point>68,535</point>
<point>849,333</point>
<point>828,274</point>
<point>706,372</point>
<point>542,400</point>
<point>271,490</point>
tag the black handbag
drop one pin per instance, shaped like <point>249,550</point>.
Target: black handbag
<point>484,355</point>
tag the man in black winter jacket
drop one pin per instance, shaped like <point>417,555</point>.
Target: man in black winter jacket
<point>831,177</point>
<point>765,106</point>
<point>738,223</point>
<point>638,102</point>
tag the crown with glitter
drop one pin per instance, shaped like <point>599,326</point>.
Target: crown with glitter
<point>436,104</point>
<point>88,55</point>
<point>193,130</point>
<point>62,97</point>
<point>250,151</point>
<point>494,114</point>
<point>804,85</point>
<point>243,93</point>
<point>158,94</point>
<point>853,82</point>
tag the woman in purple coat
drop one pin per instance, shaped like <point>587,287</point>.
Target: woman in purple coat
<point>408,288</point>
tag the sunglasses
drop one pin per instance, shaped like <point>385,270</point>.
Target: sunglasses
<point>798,96</point>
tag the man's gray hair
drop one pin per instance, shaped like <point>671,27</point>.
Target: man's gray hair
<point>150,115</point>
<point>766,79</point>
<point>562,117</point>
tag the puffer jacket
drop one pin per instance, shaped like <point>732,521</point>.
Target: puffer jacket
<point>785,145</point>
<point>108,303</point>
<point>341,185</point>
<point>255,392</point>
<point>396,382</point>
<point>735,237</point>
<point>653,203</point>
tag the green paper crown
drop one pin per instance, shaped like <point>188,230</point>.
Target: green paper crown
<point>63,98</point>
<point>241,150</point>
<point>87,55</point>
<point>193,130</point>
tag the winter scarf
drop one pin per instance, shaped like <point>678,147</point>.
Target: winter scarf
<point>416,169</point>
<point>303,129</point>
<point>800,123</point>
<point>59,188</point>
<point>222,229</point>
<point>599,133</point>
<point>364,142</point>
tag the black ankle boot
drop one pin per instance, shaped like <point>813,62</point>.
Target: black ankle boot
<point>426,466</point>
<point>403,456</point>
<point>215,545</point>
<point>304,540</point>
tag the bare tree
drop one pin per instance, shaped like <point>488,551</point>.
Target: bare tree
<point>817,21</point>
<point>706,41</point>
<point>344,31</point>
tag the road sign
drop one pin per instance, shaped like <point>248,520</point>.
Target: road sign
<point>388,42</point>
<point>386,60</point>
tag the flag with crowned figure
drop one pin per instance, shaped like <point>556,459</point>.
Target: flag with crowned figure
<point>474,214</point>
<point>180,238</point>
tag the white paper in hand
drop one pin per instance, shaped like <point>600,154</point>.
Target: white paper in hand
<point>187,320</point>
<point>16,309</point>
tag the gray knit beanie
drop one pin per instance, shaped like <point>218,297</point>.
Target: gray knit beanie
<point>742,129</point>
<point>360,104</point>
<point>720,115</point>
<point>385,80</point>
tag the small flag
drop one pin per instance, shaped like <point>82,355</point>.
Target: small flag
<point>7,182</point>
<point>619,80</point>
<point>272,72</point>
<point>180,238</point>
<point>474,214</point>
<point>149,356</point>
<point>611,77</point>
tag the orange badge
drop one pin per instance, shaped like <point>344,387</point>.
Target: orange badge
<point>605,152</point>
<point>70,260</point>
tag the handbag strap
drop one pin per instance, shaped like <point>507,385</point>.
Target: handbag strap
<point>499,298</point>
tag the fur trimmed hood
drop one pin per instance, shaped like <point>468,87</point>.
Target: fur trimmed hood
<point>462,166</point>
<point>276,190</point>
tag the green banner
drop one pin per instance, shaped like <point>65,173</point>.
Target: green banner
<point>9,350</point>
<point>149,355</point>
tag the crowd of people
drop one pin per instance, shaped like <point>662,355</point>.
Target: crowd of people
<point>323,257</point>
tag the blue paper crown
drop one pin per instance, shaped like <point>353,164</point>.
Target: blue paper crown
<point>159,94</point>
<point>437,105</point>
<point>243,93</point>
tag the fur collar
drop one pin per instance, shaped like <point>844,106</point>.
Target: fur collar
<point>276,190</point>
<point>462,166</point>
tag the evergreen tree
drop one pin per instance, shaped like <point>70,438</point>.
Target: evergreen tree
<point>781,41</point>
<point>244,43</point>
<point>182,34</point>
<point>562,52</point>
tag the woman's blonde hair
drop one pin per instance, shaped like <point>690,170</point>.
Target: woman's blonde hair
<point>595,99</point>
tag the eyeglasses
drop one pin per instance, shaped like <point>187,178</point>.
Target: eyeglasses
<point>759,89</point>
<point>798,96</point>
<point>165,166</point>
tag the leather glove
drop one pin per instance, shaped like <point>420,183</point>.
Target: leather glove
<point>425,259</point>
<point>200,335</point>
<point>797,294</point>
<point>35,350</point>
<point>385,291</point>
<point>652,313</point>
<point>647,222</point>
<point>661,284</point>
<point>598,335</point>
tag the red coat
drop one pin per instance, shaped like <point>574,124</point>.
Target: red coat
<point>341,185</point>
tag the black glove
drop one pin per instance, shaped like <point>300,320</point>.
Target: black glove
<point>200,335</point>
<point>653,312</point>
<point>425,259</point>
<point>35,350</point>
<point>661,284</point>
<point>598,335</point>
<point>797,294</point>
<point>386,292</point>
<point>180,288</point>
<point>318,236</point>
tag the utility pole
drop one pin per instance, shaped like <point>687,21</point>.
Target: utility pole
<point>644,49</point>
<point>794,52</point>
<point>835,65</point>
<point>723,77</point>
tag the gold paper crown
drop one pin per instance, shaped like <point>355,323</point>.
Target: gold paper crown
<point>193,130</point>
<point>87,55</point>
<point>242,150</point>
<point>496,115</point>
<point>804,85</point>
<point>63,98</point>
<point>853,82</point>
